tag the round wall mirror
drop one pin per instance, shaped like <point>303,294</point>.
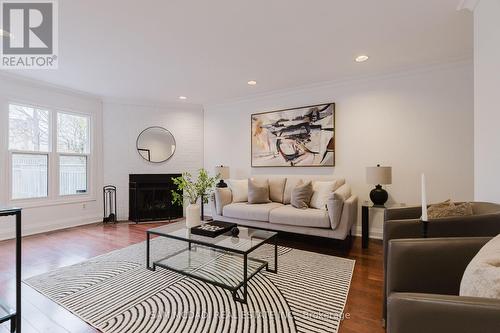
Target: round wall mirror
<point>156,144</point>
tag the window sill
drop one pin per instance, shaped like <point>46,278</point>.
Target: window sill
<point>37,203</point>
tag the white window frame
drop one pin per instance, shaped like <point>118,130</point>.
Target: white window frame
<point>53,192</point>
<point>87,154</point>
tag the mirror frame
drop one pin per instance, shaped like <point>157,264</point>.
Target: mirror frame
<point>148,128</point>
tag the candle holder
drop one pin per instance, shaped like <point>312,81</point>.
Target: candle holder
<point>425,228</point>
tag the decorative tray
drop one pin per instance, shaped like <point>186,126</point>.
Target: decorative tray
<point>213,229</point>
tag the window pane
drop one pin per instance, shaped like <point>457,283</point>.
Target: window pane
<point>29,176</point>
<point>72,134</point>
<point>28,128</point>
<point>72,175</point>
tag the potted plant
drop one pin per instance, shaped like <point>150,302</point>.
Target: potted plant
<point>192,191</point>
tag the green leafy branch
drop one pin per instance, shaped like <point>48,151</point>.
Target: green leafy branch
<point>192,190</point>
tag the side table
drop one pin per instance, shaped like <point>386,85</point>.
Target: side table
<point>6,313</point>
<point>365,219</point>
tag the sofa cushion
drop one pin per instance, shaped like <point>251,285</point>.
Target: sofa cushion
<point>301,195</point>
<point>321,192</point>
<point>239,189</point>
<point>309,217</point>
<point>258,191</point>
<point>277,189</point>
<point>482,276</point>
<point>246,211</point>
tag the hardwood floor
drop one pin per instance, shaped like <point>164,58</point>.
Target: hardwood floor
<point>45,252</point>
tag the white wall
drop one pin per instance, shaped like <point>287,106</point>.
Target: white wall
<point>418,121</point>
<point>56,214</point>
<point>124,122</point>
<point>487,100</point>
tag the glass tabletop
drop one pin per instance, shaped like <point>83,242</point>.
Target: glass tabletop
<point>247,240</point>
<point>8,210</point>
<point>370,204</point>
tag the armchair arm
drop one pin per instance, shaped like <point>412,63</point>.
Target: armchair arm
<point>415,313</point>
<point>433,265</point>
<point>403,213</point>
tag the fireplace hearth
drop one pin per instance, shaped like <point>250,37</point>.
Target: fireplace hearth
<point>150,197</point>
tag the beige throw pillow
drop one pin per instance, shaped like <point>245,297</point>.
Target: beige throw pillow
<point>258,191</point>
<point>290,184</point>
<point>482,276</point>
<point>321,192</point>
<point>239,189</point>
<point>277,189</point>
<point>449,209</point>
<point>301,195</point>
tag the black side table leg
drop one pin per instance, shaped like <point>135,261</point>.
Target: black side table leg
<point>18,273</point>
<point>365,217</point>
<point>13,325</point>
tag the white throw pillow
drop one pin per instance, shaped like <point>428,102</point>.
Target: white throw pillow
<point>321,192</point>
<point>239,189</point>
<point>482,276</point>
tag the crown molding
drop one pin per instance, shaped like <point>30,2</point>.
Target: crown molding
<point>9,75</point>
<point>468,5</point>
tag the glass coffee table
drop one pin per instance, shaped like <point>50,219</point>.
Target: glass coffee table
<point>223,261</point>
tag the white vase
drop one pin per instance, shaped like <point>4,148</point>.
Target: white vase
<point>193,218</point>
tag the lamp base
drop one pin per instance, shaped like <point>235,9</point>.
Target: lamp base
<point>221,184</point>
<point>379,196</point>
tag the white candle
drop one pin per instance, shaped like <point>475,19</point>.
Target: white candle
<point>424,200</point>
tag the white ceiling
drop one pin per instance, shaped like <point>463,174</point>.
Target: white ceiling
<point>208,49</point>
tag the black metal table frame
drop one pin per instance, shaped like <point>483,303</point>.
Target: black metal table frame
<point>234,290</point>
<point>15,317</point>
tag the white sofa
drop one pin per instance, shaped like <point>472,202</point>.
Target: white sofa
<point>335,221</point>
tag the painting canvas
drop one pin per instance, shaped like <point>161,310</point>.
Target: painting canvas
<point>300,137</point>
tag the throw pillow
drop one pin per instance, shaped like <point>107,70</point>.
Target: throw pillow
<point>290,184</point>
<point>277,189</point>
<point>301,195</point>
<point>321,192</point>
<point>336,204</point>
<point>482,276</point>
<point>239,189</point>
<point>258,191</point>
<point>449,209</point>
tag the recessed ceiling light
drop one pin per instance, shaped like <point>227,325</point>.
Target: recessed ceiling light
<point>252,83</point>
<point>362,58</point>
<point>182,97</point>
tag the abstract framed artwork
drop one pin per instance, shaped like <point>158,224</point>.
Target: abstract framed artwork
<point>298,137</point>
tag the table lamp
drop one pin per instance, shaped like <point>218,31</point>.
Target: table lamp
<point>379,176</point>
<point>223,172</point>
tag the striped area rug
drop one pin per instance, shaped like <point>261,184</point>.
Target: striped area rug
<point>116,293</point>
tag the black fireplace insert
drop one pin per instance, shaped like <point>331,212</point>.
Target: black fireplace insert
<point>150,197</point>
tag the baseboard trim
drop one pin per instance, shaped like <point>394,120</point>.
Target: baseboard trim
<point>375,233</point>
<point>59,225</point>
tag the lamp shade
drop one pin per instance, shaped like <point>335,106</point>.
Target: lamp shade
<point>223,171</point>
<point>379,175</point>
